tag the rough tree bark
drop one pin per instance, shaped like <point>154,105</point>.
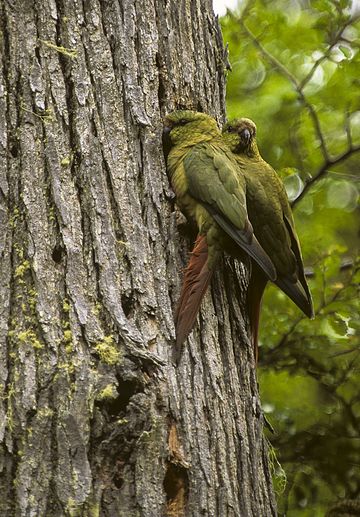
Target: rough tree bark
<point>95,419</point>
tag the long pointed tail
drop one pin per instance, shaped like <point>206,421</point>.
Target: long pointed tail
<point>299,292</point>
<point>196,280</point>
<point>256,289</point>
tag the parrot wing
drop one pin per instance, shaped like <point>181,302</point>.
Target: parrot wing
<point>213,181</point>
<point>271,215</point>
<point>299,292</point>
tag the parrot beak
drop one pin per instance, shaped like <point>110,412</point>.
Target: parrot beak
<point>167,130</point>
<point>246,136</point>
<point>166,140</point>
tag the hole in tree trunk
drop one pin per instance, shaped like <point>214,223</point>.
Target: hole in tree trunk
<point>57,254</point>
<point>176,488</point>
<point>126,390</point>
<point>127,303</point>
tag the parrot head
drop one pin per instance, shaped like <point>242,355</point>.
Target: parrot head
<point>240,136</point>
<point>184,127</point>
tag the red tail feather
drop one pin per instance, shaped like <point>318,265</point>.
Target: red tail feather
<point>196,280</point>
<point>256,288</point>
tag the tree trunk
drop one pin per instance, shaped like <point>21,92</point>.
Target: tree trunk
<point>95,419</point>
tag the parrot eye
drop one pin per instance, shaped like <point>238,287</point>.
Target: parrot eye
<point>231,129</point>
<point>182,122</point>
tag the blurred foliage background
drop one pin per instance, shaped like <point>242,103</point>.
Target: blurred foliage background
<point>295,71</point>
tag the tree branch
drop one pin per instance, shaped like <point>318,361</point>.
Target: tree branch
<point>286,337</point>
<point>297,85</point>
<point>277,64</point>
<point>338,37</point>
<point>324,170</point>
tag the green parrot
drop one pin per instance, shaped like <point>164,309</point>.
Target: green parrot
<point>210,192</point>
<point>270,214</point>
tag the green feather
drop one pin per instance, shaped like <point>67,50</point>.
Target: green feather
<point>269,212</point>
<point>203,171</point>
<point>209,191</point>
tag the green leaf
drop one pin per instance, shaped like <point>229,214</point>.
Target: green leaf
<point>346,51</point>
<point>338,325</point>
